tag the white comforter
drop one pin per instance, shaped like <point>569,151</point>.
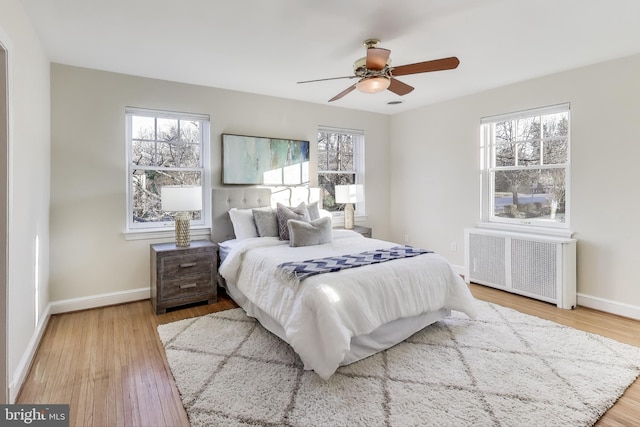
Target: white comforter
<point>321,314</point>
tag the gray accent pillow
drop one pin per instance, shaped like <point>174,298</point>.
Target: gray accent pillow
<point>314,211</point>
<point>266,222</point>
<point>316,232</point>
<point>285,213</point>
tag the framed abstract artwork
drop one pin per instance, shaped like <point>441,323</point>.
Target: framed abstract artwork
<point>254,160</point>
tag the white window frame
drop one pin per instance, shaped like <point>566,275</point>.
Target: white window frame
<point>358,163</point>
<point>487,168</point>
<point>133,229</point>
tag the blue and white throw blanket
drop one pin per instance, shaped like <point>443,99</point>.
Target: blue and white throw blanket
<point>300,270</point>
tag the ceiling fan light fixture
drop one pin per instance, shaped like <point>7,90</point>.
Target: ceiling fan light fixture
<point>373,84</point>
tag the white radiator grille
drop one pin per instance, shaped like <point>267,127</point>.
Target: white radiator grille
<point>487,259</point>
<point>542,267</point>
<point>534,267</point>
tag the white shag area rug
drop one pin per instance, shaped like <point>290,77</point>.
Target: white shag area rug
<point>503,369</point>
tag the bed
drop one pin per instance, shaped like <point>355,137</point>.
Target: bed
<point>335,318</point>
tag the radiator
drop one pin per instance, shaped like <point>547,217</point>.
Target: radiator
<point>536,266</point>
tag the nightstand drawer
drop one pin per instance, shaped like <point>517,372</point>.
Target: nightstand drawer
<point>188,264</point>
<point>188,286</point>
<point>182,275</point>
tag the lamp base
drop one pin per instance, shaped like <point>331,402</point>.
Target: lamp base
<point>348,216</point>
<point>183,230</point>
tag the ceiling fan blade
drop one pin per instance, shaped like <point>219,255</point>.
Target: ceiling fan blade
<point>377,58</point>
<point>343,93</point>
<point>330,78</point>
<point>399,88</point>
<point>427,66</point>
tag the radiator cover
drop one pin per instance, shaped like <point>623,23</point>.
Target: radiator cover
<point>536,266</point>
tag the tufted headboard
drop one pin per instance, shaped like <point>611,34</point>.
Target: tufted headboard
<point>223,199</point>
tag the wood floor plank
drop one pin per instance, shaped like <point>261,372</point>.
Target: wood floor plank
<point>109,363</point>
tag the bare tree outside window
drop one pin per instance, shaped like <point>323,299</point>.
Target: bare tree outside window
<point>528,159</point>
<point>337,164</point>
<point>163,151</point>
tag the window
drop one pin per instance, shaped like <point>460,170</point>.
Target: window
<point>164,148</point>
<point>525,167</point>
<point>340,162</point>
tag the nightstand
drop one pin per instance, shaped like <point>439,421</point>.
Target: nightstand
<point>365,231</point>
<point>183,275</point>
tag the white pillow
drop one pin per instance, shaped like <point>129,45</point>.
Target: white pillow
<point>243,225</point>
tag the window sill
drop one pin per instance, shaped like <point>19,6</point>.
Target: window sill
<point>152,234</point>
<point>530,229</point>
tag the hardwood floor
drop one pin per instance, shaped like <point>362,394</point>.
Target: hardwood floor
<point>109,365</point>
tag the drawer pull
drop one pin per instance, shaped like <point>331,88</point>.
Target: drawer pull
<point>190,285</point>
<point>189,264</point>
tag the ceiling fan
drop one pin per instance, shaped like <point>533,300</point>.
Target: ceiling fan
<point>376,74</point>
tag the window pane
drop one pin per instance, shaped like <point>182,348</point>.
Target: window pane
<point>167,129</point>
<point>143,153</point>
<point>531,193</point>
<point>178,155</point>
<point>345,153</point>
<point>504,132</point>
<point>332,160</point>
<point>555,152</point>
<point>190,131</point>
<point>529,153</point>
<point>505,155</point>
<point>346,160</point>
<point>142,127</point>
<point>528,128</point>
<point>332,142</point>
<point>322,160</point>
<point>322,141</point>
<point>327,183</point>
<point>556,125</point>
<point>146,193</point>
<point>335,152</point>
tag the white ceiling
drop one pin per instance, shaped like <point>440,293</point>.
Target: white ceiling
<point>266,46</point>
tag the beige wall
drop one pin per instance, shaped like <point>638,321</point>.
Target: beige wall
<point>90,255</point>
<point>435,178</point>
<point>422,168</point>
<point>29,160</point>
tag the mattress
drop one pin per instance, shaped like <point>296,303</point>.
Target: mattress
<point>337,318</point>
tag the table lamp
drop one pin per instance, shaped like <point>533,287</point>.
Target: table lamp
<point>349,194</point>
<point>182,200</point>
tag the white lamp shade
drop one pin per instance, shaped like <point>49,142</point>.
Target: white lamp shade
<point>181,198</point>
<point>349,193</point>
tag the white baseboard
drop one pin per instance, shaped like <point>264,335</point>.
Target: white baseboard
<point>596,303</point>
<point>65,306</point>
<point>101,300</point>
<point>25,362</point>
<point>608,306</point>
